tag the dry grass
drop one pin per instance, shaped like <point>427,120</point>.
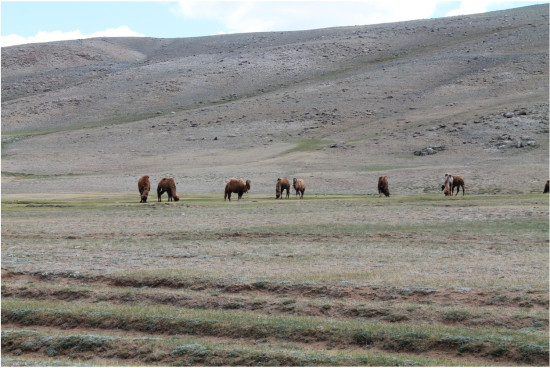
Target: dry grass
<point>467,276</point>
<point>429,241</point>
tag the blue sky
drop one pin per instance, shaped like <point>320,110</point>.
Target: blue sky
<point>43,21</point>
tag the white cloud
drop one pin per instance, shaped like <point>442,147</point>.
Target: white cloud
<point>470,7</point>
<point>261,16</point>
<point>13,39</point>
<point>467,7</point>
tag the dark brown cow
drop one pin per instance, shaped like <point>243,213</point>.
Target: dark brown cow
<point>144,186</point>
<point>383,186</point>
<point>238,186</point>
<point>167,185</point>
<point>458,182</point>
<point>282,185</point>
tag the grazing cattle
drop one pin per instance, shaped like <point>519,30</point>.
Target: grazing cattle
<point>282,185</point>
<point>167,185</point>
<point>448,185</point>
<point>238,186</point>
<point>299,186</point>
<point>144,186</point>
<point>383,186</point>
<point>456,182</point>
<point>546,186</point>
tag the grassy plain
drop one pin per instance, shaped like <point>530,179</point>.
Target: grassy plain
<point>328,280</point>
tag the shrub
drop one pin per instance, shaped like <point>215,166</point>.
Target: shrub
<point>457,316</point>
<point>190,349</point>
<point>364,338</point>
<point>395,317</point>
<point>82,343</point>
<point>233,305</point>
<point>530,352</point>
<point>260,284</point>
<point>412,341</point>
<point>455,340</point>
<point>500,350</point>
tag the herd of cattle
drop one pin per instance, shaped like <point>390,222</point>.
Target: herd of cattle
<point>239,186</point>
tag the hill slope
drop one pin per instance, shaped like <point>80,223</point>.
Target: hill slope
<point>338,106</point>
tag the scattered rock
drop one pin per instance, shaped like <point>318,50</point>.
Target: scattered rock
<point>341,144</point>
<point>507,141</point>
<point>429,151</point>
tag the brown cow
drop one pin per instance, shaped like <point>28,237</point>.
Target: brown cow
<point>238,186</point>
<point>299,186</point>
<point>456,182</point>
<point>144,186</point>
<point>546,187</point>
<point>167,185</point>
<point>383,186</point>
<point>282,185</point>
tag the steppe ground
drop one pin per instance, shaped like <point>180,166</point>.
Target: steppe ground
<point>90,276</point>
<point>328,280</point>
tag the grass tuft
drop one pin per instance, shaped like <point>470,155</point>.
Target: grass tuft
<point>308,145</point>
<point>457,316</point>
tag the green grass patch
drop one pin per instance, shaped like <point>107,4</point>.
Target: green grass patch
<point>376,168</point>
<point>268,200</point>
<point>457,315</point>
<point>309,145</point>
<point>21,176</point>
<point>160,319</point>
<point>167,351</point>
<point>115,120</point>
<point>83,202</point>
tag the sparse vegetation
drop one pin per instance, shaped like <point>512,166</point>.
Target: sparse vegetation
<point>154,320</point>
<point>310,144</point>
<point>292,292</point>
<point>457,315</point>
<point>90,276</point>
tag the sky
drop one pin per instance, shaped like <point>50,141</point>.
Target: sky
<point>45,21</point>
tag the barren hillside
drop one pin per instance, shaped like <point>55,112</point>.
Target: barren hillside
<point>338,107</point>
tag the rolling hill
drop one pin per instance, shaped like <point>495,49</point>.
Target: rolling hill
<point>338,107</point>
